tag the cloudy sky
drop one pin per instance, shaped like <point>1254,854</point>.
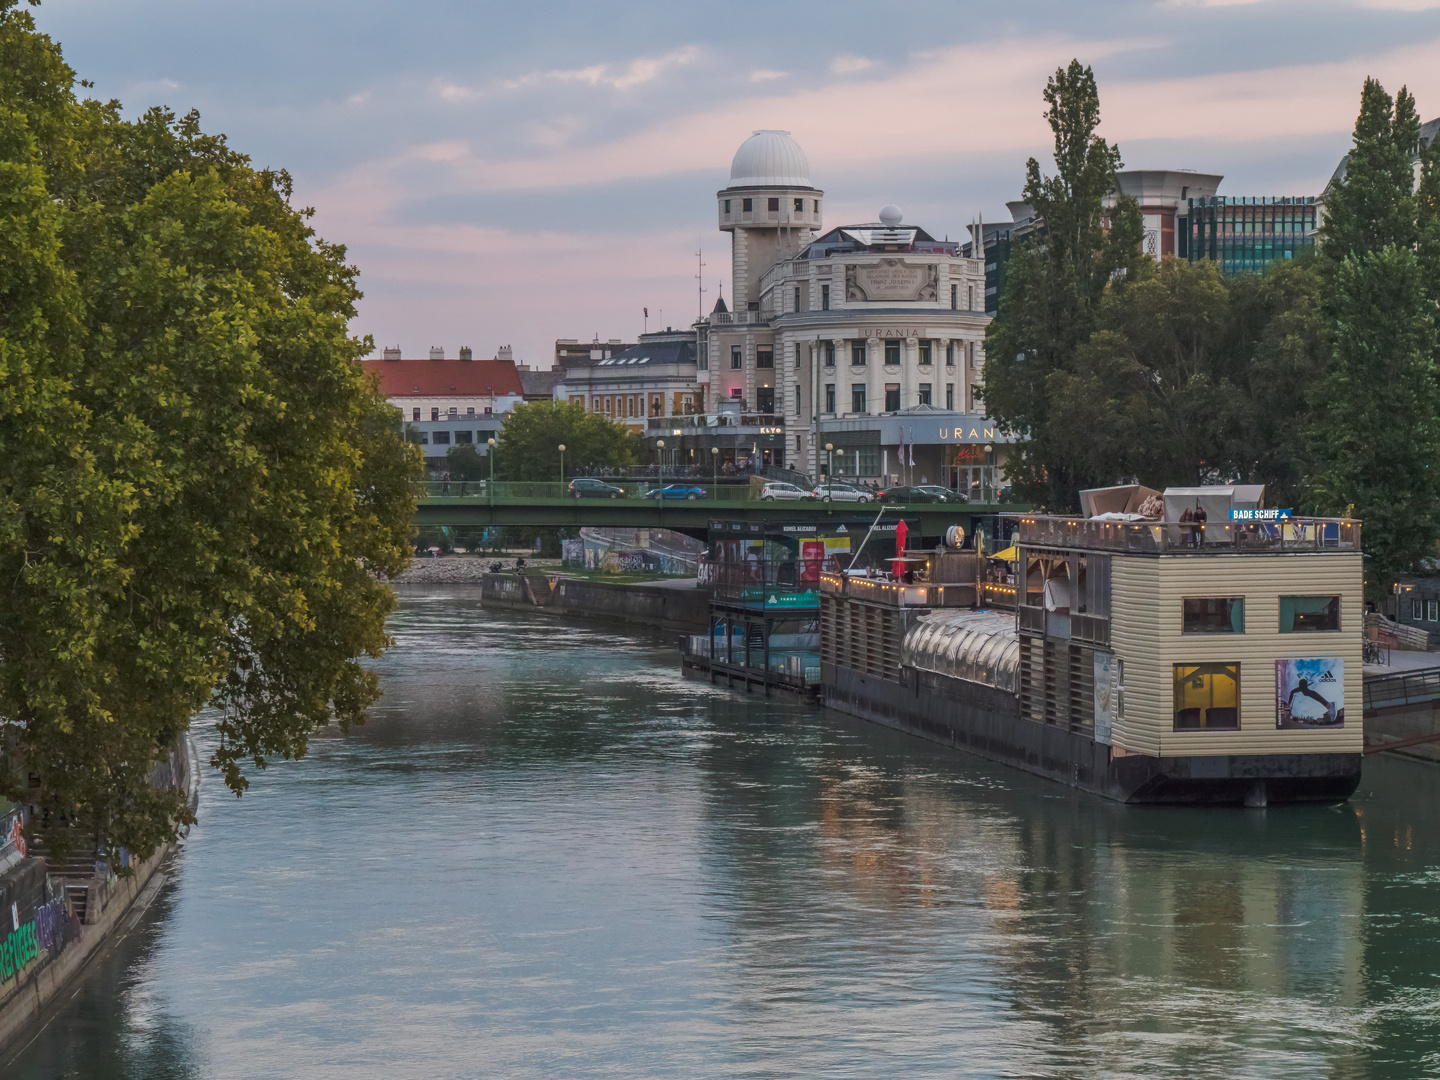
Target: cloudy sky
<point>517,172</point>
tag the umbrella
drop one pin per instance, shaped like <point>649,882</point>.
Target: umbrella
<point>1010,554</point>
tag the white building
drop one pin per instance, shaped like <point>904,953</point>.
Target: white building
<point>856,323</point>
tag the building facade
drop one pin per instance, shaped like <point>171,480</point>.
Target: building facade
<point>447,403</point>
<point>1245,235</point>
<point>855,323</point>
<point>652,379</point>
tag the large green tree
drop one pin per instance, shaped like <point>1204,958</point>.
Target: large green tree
<point>198,484</point>
<point>1375,431</point>
<point>530,440</point>
<point>1053,291</point>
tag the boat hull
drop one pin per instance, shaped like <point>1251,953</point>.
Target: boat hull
<point>986,721</point>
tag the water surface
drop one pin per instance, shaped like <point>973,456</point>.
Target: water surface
<point>547,854</point>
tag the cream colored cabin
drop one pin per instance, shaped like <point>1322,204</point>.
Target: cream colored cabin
<point>1170,638</point>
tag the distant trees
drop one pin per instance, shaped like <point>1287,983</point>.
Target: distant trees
<point>530,439</point>
<point>1375,413</point>
<point>198,484</point>
<point>1053,293</point>
<point>464,462</point>
<point>1319,378</point>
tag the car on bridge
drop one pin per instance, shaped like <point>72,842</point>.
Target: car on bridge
<point>778,489</point>
<point>835,492</point>
<point>918,493</point>
<point>587,487</point>
<point>676,491</point>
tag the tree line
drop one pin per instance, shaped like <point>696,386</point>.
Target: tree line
<point>200,490</point>
<point>1319,377</point>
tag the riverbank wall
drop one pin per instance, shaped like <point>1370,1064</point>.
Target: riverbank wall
<point>52,923</point>
<point>674,609</point>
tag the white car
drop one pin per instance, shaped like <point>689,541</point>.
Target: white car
<point>776,489</point>
<point>840,493</point>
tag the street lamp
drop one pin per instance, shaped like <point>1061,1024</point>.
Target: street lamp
<point>562,468</point>
<point>660,445</point>
<point>989,470</point>
<point>714,471</point>
<point>829,461</point>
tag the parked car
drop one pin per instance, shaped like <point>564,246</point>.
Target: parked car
<point>676,491</point>
<point>918,493</point>
<point>587,487</point>
<point>778,489</point>
<point>840,493</point>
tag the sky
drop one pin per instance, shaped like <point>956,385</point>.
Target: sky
<point>512,173</point>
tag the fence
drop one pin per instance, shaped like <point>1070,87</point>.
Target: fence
<point>1402,688</point>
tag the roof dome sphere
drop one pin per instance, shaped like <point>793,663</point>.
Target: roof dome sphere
<point>770,159</point>
<point>890,215</point>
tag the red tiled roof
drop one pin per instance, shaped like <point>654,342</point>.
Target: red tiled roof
<point>438,378</point>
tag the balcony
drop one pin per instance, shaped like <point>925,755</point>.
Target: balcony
<point>897,594</point>
<point>763,423</point>
<point>1173,538</point>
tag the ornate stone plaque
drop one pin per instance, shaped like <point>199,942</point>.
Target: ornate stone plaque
<point>891,279</point>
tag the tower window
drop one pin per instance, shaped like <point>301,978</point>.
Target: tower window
<point>824,297</point>
<point>954,297</point>
<point>745,205</point>
<point>797,401</point>
<point>797,297</point>
<point>800,206</point>
<point>727,206</point>
<point>737,358</point>
<point>817,206</point>
<point>774,206</point>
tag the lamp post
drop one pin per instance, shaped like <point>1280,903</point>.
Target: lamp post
<point>829,461</point>
<point>491,455</point>
<point>660,446</point>
<point>989,451</point>
<point>714,472</point>
<point>562,468</point>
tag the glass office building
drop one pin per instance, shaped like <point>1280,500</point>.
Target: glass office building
<point>1245,235</point>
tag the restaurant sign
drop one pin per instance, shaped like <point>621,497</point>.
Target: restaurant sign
<point>1259,515</point>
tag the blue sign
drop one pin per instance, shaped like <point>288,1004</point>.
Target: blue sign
<point>1259,515</point>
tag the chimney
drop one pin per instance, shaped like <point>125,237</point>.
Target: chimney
<point>465,353</point>
<point>392,354</point>
<point>506,354</point>
<point>437,352</point>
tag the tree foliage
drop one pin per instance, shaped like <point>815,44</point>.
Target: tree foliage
<point>530,440</point>
<point>464,462</point>
<point>198,484</point>
<point>1054,286</point>
<point>1376,414</point>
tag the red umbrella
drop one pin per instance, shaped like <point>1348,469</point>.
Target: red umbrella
<point>900,531</point>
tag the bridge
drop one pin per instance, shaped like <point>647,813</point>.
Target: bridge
<point>537,505</point>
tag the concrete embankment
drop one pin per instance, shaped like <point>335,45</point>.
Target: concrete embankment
<point>677,607</point>
<point>54,922</point>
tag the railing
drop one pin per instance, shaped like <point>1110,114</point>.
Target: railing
<point>898,594</point>
<point>1402,688</point>
<point>740,318</point>
<point>701,489</point>
<point>1292,534</point>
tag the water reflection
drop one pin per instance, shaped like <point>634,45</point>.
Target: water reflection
<point>547,854</point>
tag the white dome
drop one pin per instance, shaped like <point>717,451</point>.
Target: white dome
<point>890,215</point>
<point>770,159</point>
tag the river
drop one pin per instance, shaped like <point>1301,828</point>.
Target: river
<point>547,854</point>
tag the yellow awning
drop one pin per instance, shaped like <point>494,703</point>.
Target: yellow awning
<point>1010,554</point>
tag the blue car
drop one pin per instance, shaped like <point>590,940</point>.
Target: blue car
<point>676,491</point>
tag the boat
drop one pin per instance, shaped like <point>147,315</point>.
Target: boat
<point>1194,653</point>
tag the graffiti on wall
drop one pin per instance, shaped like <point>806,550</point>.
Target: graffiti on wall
<point>50,930</point>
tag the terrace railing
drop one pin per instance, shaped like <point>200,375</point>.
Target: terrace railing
<point>1176,538</point>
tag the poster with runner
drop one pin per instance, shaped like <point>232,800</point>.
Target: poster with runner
<point>1310,693</point>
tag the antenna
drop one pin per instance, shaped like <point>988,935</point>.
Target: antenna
<point>700,278</point>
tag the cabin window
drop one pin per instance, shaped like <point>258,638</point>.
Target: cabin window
<point>1308,614</point>
<point>1214,615</point>
<point>1207,696</point>
<point>1432,610</point>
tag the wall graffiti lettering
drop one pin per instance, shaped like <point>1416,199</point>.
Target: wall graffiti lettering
<point>19,949</point>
